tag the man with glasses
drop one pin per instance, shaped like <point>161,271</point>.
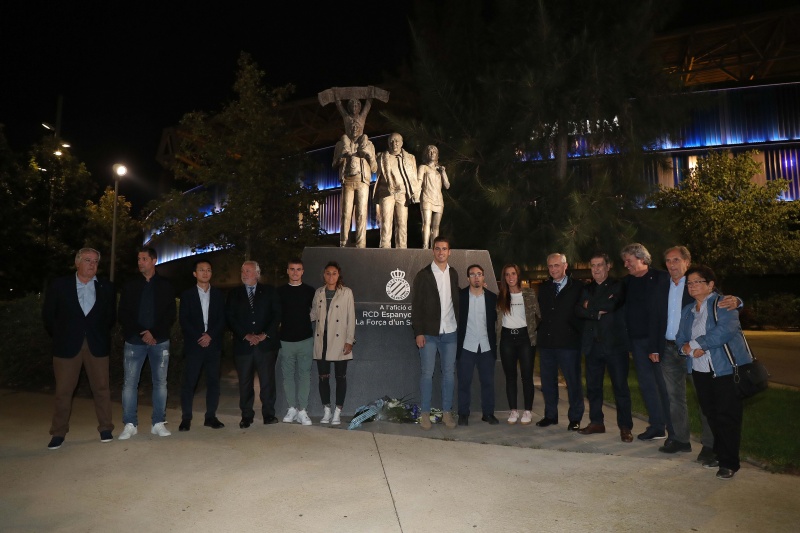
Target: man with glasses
<point>477,345</point>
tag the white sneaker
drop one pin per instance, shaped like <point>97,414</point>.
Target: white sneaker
<point>302,417</point>
<point>513,417</point>
<point>526,418</point>
<point>326,415</point>
<point>160,430</point>
<point>291,414</point>
<point>337,416</point>
<point>127,432</point>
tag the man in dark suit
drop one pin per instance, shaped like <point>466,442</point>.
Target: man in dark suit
<point>253,312</point>
<point>560,342</point>
<point>78,313</point>
<point>202,319</point>
<point>477,345</point>
<point>605,345</point>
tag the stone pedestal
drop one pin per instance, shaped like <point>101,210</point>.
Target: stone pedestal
<point>385,357</point>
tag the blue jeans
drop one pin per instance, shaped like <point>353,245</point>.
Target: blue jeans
<point>652,386</point>
<point>675,372</point>
<point>550,360</point>
<point>133,360</point>
<point>446,346</point>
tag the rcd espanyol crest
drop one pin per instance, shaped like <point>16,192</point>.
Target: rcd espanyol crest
<point>398,288</point>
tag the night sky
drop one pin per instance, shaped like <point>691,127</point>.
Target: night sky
<point>127,71</point>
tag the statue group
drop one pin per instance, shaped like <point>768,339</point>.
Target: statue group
<point>400,181</point>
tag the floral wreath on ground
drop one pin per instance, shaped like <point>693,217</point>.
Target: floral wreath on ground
<point>400,410</point>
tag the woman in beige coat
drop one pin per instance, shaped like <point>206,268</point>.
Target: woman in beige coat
<point>334,312</point>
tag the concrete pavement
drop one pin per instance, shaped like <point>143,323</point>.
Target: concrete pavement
<point>384,477</point>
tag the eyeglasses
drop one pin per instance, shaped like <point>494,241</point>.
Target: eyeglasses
<point>476,275</point>
<point>697,282</point>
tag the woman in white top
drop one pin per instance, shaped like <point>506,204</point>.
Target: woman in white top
<point>517,320</point>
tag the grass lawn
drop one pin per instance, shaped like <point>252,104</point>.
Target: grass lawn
<point>771,427</point>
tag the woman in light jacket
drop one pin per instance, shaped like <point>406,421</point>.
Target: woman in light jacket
<point>517,319</point>
<point>702,338</point>
<point>334,312</point>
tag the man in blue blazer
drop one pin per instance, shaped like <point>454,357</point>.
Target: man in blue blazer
<point>253,313</point>
<point>202,319</point>
<point>477,345</point>
<point>78,313</point>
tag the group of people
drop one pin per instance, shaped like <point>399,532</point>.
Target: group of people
<point>79,312</point>
<point>673,322</point>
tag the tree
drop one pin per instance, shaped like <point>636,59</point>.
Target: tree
<point>243,157</point>
<point>513,92</point>
<point>729,222</point>
<point>100,217</point>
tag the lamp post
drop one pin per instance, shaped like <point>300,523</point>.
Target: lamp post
<point>119,171</point>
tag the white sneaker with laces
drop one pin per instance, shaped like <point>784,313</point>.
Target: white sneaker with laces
<point>526,418</point>
<point>291,415</point>
<point>337,416</point>
<point>326,415</point>
<point>513,417</point>
<point>160,430</point>
<point>128,431</point>
<point>302,417</point>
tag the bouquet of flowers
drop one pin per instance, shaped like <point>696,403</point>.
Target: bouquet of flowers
<point>386,408</point>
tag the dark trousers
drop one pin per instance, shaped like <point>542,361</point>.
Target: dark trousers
<point>723,408</point>
<point>466,364</point>
<point>67,371</point>
<point>263,363</point>
<point>597,361</point>
<point>516,349</point>
<point>550,360</point>
<point>652,386</point>
<point>195,363</point>
<point>340,372</point>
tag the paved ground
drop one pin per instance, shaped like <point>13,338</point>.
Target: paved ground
<point>385,477</point>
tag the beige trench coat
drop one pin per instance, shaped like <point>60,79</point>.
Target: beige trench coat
<point>341,323</point>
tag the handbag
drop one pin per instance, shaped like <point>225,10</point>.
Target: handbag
<point>748,379</point>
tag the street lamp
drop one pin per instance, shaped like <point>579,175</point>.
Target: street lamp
<point>119,171</point>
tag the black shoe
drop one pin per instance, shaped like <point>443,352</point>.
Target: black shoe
<point>652,433</point>
<point>463,420</point>
<point>544,422</point>
<point>213,423</point>
<point>711,463</point>
<point>493,421</point>
<point>246,421</point>
<point>706,454</point>
<point>573,426</point>
<point>270,420</point>
<point>186,425</point>
<point>672,446</point>
<point>725,473</point>
<point>106,436</point>
<point>55,443</point>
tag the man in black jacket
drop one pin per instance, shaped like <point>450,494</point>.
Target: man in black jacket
<point>560,342</point>
<point>202,319</point>
<point>434,319</point>
<point>78,313</point>
<point>605,346</point>
<point>146,313</point>
<point>477,345</point>
<point>253,312</point>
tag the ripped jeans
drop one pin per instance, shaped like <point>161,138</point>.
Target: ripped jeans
<point>133,360</point>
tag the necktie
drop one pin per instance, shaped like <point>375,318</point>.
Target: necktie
<point>251,295</point>
<point>558,288</point>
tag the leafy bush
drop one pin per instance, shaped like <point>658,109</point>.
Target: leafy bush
<point>779,310</point>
